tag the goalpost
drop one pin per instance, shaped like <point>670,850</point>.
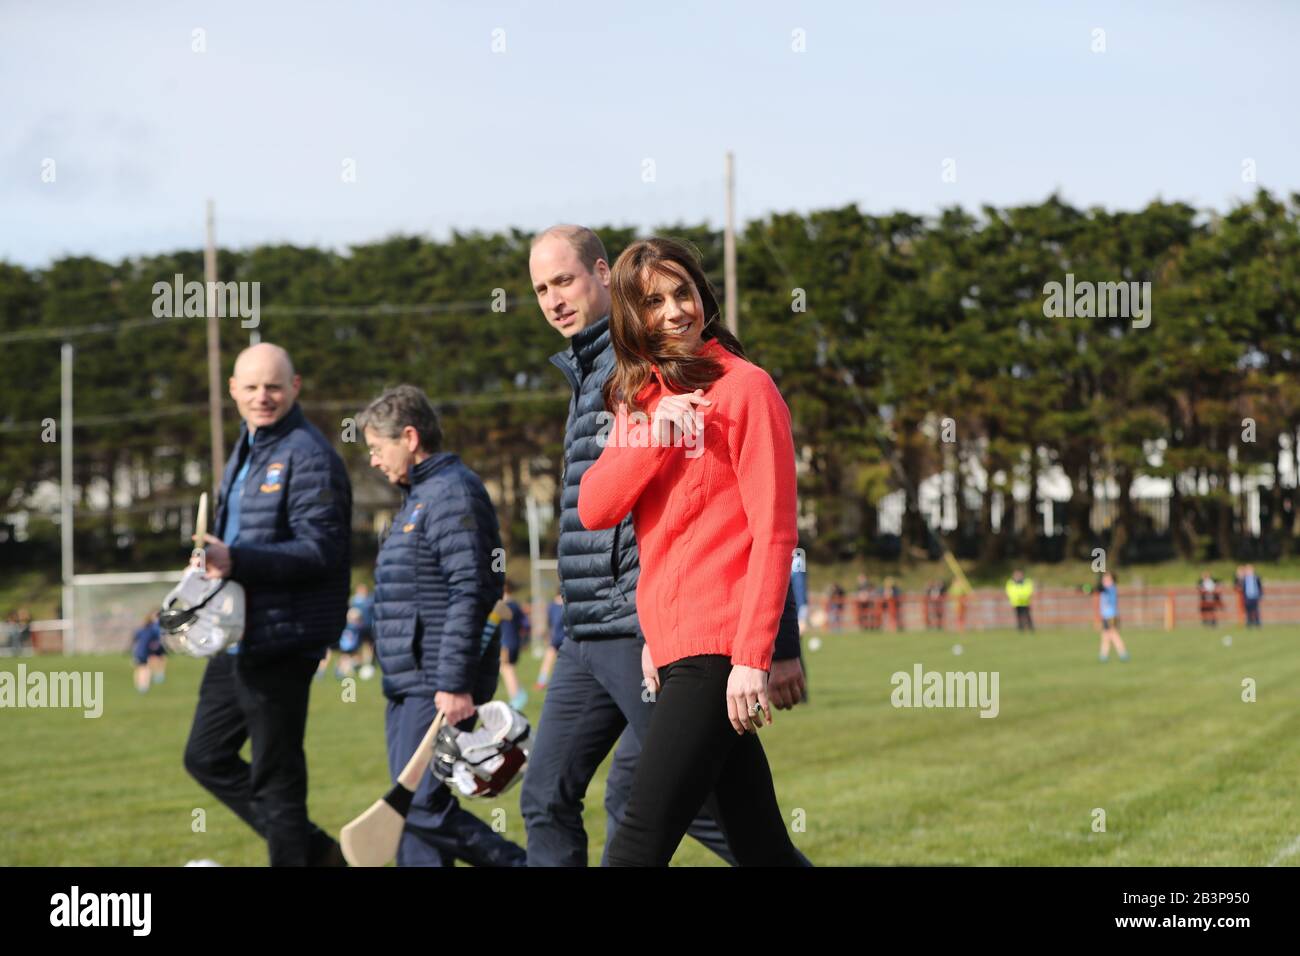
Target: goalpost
<point>543,573</point>
<point>107,609</point>
<point>101,612</point>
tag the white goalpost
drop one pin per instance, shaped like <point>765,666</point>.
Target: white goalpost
<point>107,609</point>
<point>543,573</point>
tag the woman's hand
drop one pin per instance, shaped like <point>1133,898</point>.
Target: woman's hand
<point>678,411</point>
<point>648,672</point>
<point>747,703</point>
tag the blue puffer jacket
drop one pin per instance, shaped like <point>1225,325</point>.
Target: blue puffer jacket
<point>439,574</point>
<point>294,551</point>
<point>599,570</point>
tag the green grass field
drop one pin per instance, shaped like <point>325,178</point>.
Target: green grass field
<point>1187,773</point>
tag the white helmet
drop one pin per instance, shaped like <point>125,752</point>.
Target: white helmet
<point>202,616</point>
<point>487,761</point>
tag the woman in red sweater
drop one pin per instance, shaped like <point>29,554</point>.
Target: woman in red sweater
<point>699,449</point>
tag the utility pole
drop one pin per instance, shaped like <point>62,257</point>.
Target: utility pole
<point>65,493</point>
<point>214,352</point>
<point>729,248</point>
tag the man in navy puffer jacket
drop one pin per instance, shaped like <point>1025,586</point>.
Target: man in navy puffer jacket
<point>439,574</point>
<point>283,523</point>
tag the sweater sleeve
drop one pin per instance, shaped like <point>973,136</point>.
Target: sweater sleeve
<point>762,453</point>
<point>627,463</point>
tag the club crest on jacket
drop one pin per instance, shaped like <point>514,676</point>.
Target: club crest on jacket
<point>272,480</point>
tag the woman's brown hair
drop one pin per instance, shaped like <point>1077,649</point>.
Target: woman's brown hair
<point>637,348</point>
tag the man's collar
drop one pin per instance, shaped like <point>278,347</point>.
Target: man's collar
<point>591,341</point>
<point>418,473</point>
<point>291,420</point>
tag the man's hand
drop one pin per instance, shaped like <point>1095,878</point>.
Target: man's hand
<point>786,686</point>
<point>216,557</point>
<point>649,672</point>
<point>455,707</point>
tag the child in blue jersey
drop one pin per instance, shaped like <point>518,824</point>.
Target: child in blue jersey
<point>515,632</point>
<point>147,652</point>
<point>1108,600</point>
<point>555,626</point>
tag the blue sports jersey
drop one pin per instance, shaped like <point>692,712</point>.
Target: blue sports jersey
<point>1110,602</point>
<point>515,631</point>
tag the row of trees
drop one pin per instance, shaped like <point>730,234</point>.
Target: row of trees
<point>876,328</point>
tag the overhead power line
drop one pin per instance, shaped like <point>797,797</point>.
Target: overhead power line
<point>378,310</point>
<point>490,398</point>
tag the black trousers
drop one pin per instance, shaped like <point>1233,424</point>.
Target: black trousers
<point>266,702</point>
<point>692,749</point>
<point>1024,622</point>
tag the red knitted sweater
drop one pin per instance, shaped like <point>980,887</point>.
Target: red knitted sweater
<point>715,519</point>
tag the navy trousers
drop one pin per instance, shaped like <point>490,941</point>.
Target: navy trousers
<point>439,831</point>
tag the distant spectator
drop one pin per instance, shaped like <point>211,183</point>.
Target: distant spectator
<point>515,632</point>
<point>555,627</point>
<point>893,601</point>
<point>10,632</point>
<point>936,597</point>
<point>1252,592</point>
<point>1108,605</point>
<point>1211,599</point>
<point>348,647</point>
<point>147,652</point>
<point>835,607</point>
<point>865,601</point>
<point>1020,591</point>
<point>364,603</point>
<point>22,639</point>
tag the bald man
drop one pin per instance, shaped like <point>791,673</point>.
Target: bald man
<point>283,531</point>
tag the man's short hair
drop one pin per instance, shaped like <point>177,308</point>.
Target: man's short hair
<point>583,241</point>
<point>398,407</point>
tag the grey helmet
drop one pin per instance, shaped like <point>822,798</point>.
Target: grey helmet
<point>202,616</point>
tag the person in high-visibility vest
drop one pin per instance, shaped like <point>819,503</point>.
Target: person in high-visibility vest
<point>1020,590</point>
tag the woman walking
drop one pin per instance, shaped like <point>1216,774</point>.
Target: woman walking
<point>702,455</point>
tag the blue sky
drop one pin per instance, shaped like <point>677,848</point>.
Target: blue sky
<point>447,133</point>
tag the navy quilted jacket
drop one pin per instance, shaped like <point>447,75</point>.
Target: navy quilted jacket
<point>440,572</point>
<point>599,569</point>
<point>293,555</point>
